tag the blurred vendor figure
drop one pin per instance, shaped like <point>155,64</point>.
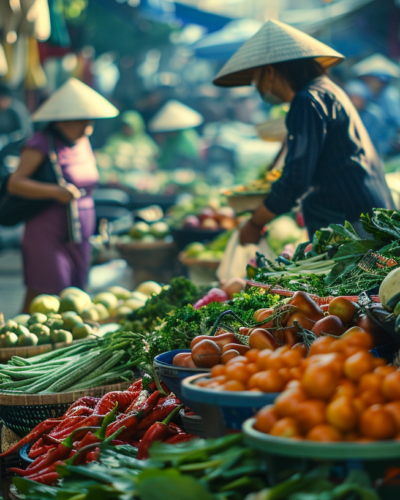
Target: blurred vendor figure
<point>377,72</point>
<point>133,142</point>
<point>15,127</point>
<point>174,128</point>
<point>370,113</point>
<point>331,163</point>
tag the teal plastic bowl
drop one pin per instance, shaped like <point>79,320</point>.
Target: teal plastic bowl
<point>222,411</point>
<point>172,376</point>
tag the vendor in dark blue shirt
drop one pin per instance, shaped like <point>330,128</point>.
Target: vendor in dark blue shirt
<point>331,163</point>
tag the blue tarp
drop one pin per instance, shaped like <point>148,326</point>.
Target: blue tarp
<point>190,15</point>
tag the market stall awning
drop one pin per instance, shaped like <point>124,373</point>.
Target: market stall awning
<point>222,44</point>
<point>190,15</point>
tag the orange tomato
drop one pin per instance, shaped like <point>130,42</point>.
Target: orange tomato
<point>252,355</point>
<point>286,404</point>
<point>237,371</point>
<point>351,437</point>
<point>345,388</point>
<point>324,433</point>
<point>238,359</point>
<point>358,337</point>
<point>335,361</point>
<point>372,397</point>
<point>321,345</point>
<point>228,356</point>
<point>370,381</point>
<point>377,423</point>
<point>391,385</point>
<point>394,409</point>
<point>341,414</point>
<point>296,373</point>
<point>275,361</point>
<point>359,405</point>
<point>262,358</point>
<point>211,382</point>
<point>285,427</point>
<point>266,381</point>
<point>266,418</point>
<point>217,370</point>
<point>358,364</point>
<point>293,384</point>
<point>319,381</point>
<point>285,374</point>
<point>301,348</point>
<point>310,413</point>
<point>292,358</point>
<point>384,370</point>
<point>233,385</point>
<point>252,367</point>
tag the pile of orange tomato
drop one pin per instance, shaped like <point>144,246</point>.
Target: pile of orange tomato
<point>342,393</point>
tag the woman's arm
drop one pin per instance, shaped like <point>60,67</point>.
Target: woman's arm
<point>21,184</point>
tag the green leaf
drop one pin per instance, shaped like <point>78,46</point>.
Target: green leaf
<point>347,232</point>
<point>170,485</point>
<point>34,490</point>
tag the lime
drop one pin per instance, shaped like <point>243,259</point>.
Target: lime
<point>44,304</point>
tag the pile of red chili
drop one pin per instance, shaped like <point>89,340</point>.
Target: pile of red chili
<point>137,417</point>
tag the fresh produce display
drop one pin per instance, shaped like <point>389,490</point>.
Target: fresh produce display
<point>84,365</point>
<point>213,250</point>
<point>141,232</point>
<point>209,219</point>
<point>208,469</point>
<point>343,246</point>
<point>268,356</point>
<point>138,416</point>
<point>260,185</point>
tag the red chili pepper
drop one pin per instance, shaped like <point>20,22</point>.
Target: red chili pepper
<point>89,438</point>
<point>92,421</point>
<point>135,386</point>
<point>50,439</point>
<point>139,400</point>
<point>156,416</point>
<point>130,422</point>
<point>42,451</point>
<point>88,401</point>
<point>32,436</point>
<point>180,438</point>
<point>68,422</point>
<point>48,479</point>
<point>117,442</point>
<point>92,456</point>
<point>178,429</point>
<point>107,402</point>
<point>36,446</point>
<point>153,387</point>
<point>160,431</point>
<point>78,410</point>
<point>38,460</point>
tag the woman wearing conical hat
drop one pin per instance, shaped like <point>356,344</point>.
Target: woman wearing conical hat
<point>174,126</point>
<point>52,261</point>
<point>331,163</point>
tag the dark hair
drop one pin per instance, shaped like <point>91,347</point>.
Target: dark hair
<point>299,72</point>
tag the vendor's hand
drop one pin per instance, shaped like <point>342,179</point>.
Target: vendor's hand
<point>250,233</point>
<point>65,194</point>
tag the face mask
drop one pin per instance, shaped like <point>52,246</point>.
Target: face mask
<point>270,98</point>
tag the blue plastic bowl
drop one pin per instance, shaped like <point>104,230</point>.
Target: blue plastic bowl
<point>223,411</point>
<point>171,375</point>
<point>23,453</point>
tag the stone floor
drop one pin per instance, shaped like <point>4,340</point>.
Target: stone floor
<point>12,292</point>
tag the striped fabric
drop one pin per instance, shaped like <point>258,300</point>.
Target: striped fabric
<point>274,42</point>
<point>330,152</point>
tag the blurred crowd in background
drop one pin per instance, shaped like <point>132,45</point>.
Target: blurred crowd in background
<point>155,59</point>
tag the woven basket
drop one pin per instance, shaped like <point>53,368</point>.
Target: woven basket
<point>22,412</point>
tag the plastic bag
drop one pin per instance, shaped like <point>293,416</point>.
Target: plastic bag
<point>236,257</point>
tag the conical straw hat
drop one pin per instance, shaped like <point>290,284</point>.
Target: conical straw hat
<point>175,116</point>
<point>377,65</point>
<point>272,130</point>
<point>74,101</point>
<point>274,42</point>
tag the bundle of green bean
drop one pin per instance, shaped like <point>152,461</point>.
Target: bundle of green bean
<point>89,364</point>
<point>319,265</point>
